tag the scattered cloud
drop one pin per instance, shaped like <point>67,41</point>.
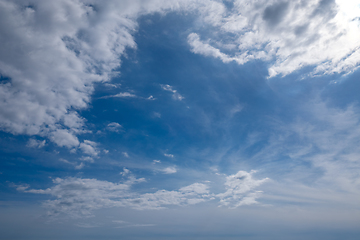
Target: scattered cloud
<point>89,148</point>
<point>156,161</point>
<point>64,138</point>
<point>125,172</point>
<point>77,197</point>
<point>114,127</point>
<point>33,143</point>
<point>176,95</point>
<point>125,154</point>
<point>80,166</point>
<point>169,170</point>
<point>112,85</point>
<point>168,155</point>
<point>122,95</point>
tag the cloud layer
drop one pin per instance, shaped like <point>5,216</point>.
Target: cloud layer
<point>77,197</point>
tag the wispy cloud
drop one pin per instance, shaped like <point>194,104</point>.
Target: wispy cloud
<point>168,155</point>
<point>122,95</point>
<point>169,170</point>
<point>175,95</point>
<point>33,143</point>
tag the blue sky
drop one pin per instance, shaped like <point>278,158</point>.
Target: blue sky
<point>182,119</point>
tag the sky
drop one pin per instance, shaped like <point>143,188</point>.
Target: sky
<point>179,119</point>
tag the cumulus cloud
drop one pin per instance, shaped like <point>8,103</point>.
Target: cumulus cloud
<point>77,197</point>
<point>114,127</point>
<point>290,34</point>
<point>64,138</point>
<point>52,53</point>
<point>89,148</point>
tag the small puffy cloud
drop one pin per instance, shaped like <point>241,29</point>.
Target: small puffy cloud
<point>89,148</point>
<point>64,138</point>
<point>114,127</point>
<point>125,172</point>
<point>33,143</point>
<point>168,155</point>
<point>125,154</point>
<point>151,97</point>
<point>169,170</point>
<point>175,95</point>
<point>156,161</point>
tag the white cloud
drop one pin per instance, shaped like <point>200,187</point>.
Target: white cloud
<point>156,161</point>
<point>122,95</point>
<point>64,138</point>
<point>89,148</point>
<point>168,155</point>
<point>77,197</point>
<point>125,154</point>
<point>125,172</point>
<point>54,52</point>
<point>169,170</point>
<point>33,143</point>
<point>240,190</point>
<point>175,95</point>
<point>292,33</point>
<point>114,127</point>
